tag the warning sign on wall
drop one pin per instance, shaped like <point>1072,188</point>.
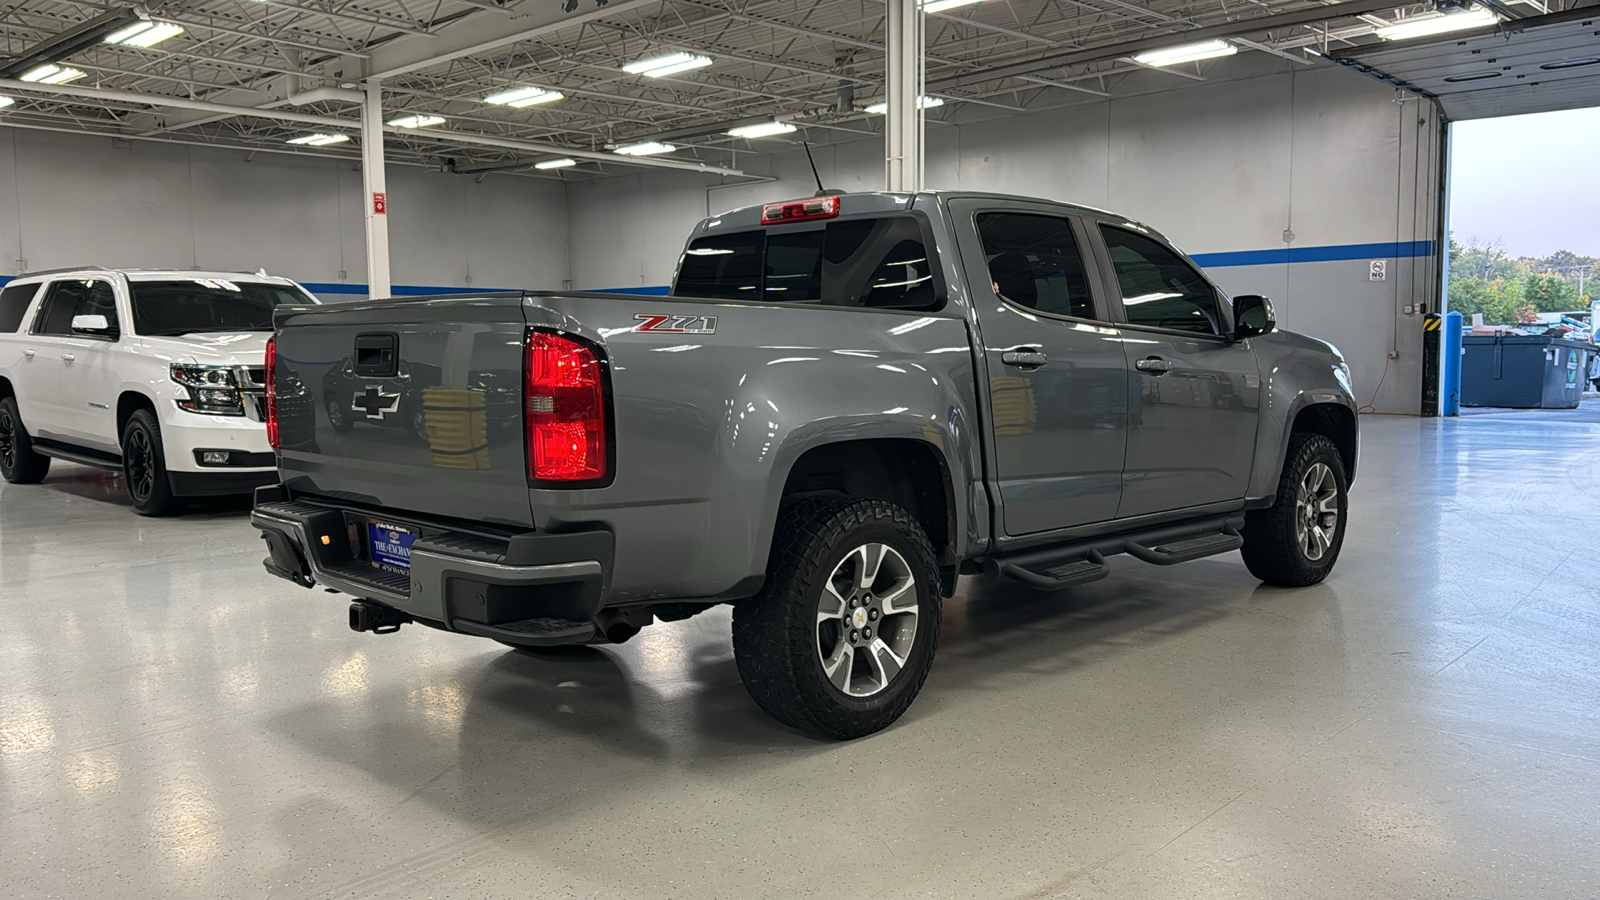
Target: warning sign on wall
<point>380,205</point>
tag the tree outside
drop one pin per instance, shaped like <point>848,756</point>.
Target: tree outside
<point>1485,279</point>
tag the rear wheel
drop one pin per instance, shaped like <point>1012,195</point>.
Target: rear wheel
<point>144,467</point>
<point>19,462</point>
<point>842,635</point>
<point>1296,541</point>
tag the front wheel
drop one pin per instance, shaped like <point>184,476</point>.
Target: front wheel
<point>144,467</point>
<point>19,462</point>
<point>842,635</point>
<point>1296,541</point>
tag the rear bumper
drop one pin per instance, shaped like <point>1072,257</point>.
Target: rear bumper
<point>215,483</point>
<point>534,588</point>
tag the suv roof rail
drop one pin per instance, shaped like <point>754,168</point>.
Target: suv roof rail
<point>64,271</point>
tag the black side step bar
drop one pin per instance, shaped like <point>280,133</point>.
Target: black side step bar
<point>78,455</point>
<point>1080,562</point>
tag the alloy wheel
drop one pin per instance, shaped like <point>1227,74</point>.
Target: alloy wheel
<point>140,464</point>
<point>867,620</point>
<point>8,440</point>
<point>1316,511</point>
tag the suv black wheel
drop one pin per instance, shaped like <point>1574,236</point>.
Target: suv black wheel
<point>19,463</point>
<point>841,637</point>
<point>144,467</point>
<point>1296,541</point>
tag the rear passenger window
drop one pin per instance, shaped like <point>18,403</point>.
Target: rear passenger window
<point>877,262</point>
<point>14,302</point>
<point>1034,262</point>
<point>1159,289</point>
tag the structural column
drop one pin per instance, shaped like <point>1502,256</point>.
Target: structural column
<point>903,122</point>
<point>377,193</point>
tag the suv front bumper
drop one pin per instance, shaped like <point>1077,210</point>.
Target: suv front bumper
<point>534,588</point>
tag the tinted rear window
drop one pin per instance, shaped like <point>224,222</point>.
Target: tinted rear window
<point>14,302</point>
<point>878,262</point>
<point>203,304</point>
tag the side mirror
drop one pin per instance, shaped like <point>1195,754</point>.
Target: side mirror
<point>96,325</point>
<point>1252,315</point>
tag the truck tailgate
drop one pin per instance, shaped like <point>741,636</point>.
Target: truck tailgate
<point>410,405</point>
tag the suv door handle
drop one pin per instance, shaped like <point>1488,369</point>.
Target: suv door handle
<point>1025,357</point>
<point>67,357</point>
<point>1154,365</point>
<point>28,353</point>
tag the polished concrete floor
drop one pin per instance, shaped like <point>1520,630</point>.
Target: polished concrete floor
<point>175,723</point>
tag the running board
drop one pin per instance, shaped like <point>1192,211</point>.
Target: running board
<point>1054,568</point>
<point>77,455</point>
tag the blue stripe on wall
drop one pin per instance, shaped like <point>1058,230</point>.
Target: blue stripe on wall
<point>1332,253</point>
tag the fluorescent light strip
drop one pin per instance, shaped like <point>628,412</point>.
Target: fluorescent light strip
<point>667,65</point>
<point>320,140</point>
<point>517,98</point>
<point>144,34</point>
<point>1460,21</point>
<point>923,102</point>
<point>555,163</point>
<point>762,129</point>
<point>644,148</point>
<point>1171,56</point>
<point>419,121</point>
<point>51,74</point>
<point>933,6</point>
<point>5,101</point>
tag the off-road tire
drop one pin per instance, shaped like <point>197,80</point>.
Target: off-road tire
<point>775,633</point>
<point>19,462</point>
<point>149,490</point>
<point>1272,550</point>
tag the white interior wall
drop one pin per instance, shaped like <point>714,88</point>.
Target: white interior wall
<point>1223,168</point>
<point>72,200</point>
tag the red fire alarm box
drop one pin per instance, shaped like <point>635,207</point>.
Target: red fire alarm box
<point>380,205</point>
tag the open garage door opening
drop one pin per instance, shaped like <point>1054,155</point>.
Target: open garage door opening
<point>1520,93</point>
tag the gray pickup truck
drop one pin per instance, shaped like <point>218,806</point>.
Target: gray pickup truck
<point>845,403</point>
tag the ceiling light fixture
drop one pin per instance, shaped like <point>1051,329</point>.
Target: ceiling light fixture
<point>1171,56</point>
<point>762,129</point>
<point>644,148</point>
<point>5,101</point>
<point>561,163</point>
<point>517,98</point>
<point>51,74</point>
<point>418,121</point>
<point>320,140</point>
<point>933,6</point>
<point>144,34</point>
<point>1458,21</point>
<point>666,65</point>
<point>923,102</point>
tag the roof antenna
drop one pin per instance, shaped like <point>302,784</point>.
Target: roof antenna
<point>821,191</point>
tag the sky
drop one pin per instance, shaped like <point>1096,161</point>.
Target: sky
<point>1522,180</point>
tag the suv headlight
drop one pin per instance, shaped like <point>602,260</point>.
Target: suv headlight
<point>213,390</point>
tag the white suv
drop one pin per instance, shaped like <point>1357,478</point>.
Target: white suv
<point>158,375</point>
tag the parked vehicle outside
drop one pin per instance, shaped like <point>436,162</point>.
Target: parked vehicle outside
<point>158,375</point>
<point>846,402</point>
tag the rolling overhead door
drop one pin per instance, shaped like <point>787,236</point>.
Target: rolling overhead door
<point>1529,65</point>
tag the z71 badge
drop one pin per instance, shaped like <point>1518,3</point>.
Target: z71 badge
<point>677,324</point>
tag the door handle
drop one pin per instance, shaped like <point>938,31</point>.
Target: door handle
<point>1025,357</point>
<point>1154,365</point>
<point>28,353</point>
<point>67,357</point>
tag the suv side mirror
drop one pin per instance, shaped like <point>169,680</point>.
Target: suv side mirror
<point>95,325</point>
<point>1252,315</point>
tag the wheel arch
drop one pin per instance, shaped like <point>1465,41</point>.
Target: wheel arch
<point>6,388</point>
<point>1337,423</point>
<point>129,402</point>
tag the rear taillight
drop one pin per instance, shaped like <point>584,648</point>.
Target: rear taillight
<point>565,410</point>
<point>800,210</point>
<point>271,378</point>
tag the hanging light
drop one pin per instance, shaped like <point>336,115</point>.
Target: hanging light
<point>1171,56</point>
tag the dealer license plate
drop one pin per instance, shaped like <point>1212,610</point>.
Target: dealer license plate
<point>390,545</point>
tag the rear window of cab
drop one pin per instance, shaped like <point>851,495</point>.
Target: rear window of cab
<point>879,262</point>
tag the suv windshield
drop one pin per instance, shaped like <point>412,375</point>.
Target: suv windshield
<point>205,304</point>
